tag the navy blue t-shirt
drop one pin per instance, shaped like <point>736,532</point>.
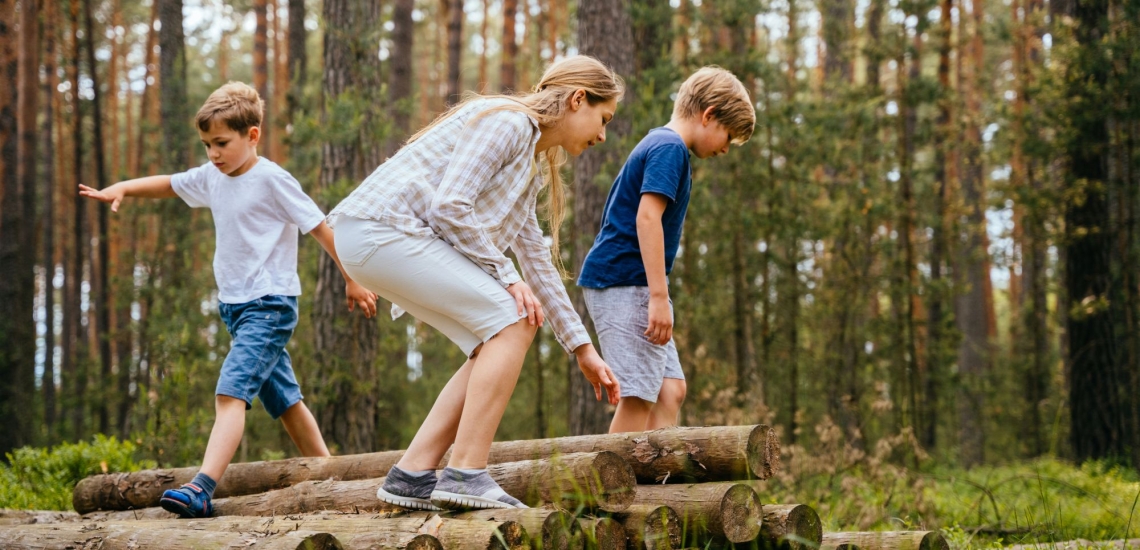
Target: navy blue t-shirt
<point>659,164</point>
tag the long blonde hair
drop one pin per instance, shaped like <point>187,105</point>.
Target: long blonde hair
<point>547,104</point>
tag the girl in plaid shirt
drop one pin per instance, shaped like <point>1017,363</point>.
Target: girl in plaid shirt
<point>428,230</point>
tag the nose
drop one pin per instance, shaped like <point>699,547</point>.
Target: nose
<point>602,136</point>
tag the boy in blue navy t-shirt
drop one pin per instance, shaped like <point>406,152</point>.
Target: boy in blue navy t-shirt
<point>624,276</point>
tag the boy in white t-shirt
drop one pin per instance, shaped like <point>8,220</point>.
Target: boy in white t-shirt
<point>257,208</point>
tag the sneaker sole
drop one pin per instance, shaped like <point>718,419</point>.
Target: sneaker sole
<point>456,501</point>
<point>407,502</point>
<point>176,507</point>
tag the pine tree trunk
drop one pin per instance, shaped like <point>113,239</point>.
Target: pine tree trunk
<point>297,59</point>
<point>261,71</point>
<point>604,32</point>
<point>50,85</point>
<point>454,49</point>
<point>78,372</point>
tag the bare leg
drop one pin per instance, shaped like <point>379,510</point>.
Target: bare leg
<point>303,430</point>
<point>632,415</point>
<point>492,381</point>
<point>229,424</point>
<point>668,406</point>
<point>437,432</point>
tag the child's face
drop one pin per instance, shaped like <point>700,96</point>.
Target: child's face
<point>585,125</point>
<point>232,152</point>
<point>712,137</point>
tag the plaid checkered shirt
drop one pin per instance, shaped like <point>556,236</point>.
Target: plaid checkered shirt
<point>473,182</point>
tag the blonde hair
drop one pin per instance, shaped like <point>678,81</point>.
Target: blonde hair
<point>715,87</point>
<point>236,104</point>
<point>547,104</point>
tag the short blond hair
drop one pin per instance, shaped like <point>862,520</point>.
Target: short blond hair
<point>715,87</point>
<point>236,104</point>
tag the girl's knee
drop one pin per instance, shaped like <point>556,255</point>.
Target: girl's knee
<point>673,392</point>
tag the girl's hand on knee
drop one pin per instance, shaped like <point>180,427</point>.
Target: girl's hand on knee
<point>528,303</point>
<point>598,373</point>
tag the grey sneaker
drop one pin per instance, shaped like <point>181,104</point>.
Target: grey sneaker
<point>466,489</point>
<point>408,489</point>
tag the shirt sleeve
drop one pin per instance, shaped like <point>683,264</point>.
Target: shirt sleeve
<point>485,145</point>
<point>664,170</point>
<point>294,206</point>
<point>193,186</point>
<point>534,256</point>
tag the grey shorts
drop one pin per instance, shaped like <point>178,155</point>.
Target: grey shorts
<point>621,316</point>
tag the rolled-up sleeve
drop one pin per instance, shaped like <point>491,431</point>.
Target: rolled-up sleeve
<point>534,256</point>
<point>485,145</point>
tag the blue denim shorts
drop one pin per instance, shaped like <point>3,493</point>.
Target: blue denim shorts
<point>257,364</point>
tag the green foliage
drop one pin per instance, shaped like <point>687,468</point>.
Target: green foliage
<point>42,479</point>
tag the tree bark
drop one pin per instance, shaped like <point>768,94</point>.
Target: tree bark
<point>18,64</point>
<point>454,49</point>
<point>400,76</point>
<point>75,354</point>
<point>888,540</point>
<point>651,527</point>
<point>718,511</point>
<point>298,59</point>
<point>604,32</point>
<point>549,528</point>
<point>788,526</point>
<point>261,68</point>
<point>510,48</point>
<point>346,379</point>
<point>50,84</point>
<point>671,454</point>
<point>171,536</point>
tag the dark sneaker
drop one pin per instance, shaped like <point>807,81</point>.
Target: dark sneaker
<point>471,489</point>
<point>408,490</point>
<point>188,501</point>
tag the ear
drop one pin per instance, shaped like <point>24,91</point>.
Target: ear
<point>577,99</point>
<point>254,134</point>
<point>707,115</point>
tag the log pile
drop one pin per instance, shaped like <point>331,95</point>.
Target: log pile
<point>672,488</point>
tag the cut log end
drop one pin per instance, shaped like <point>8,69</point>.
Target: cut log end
<point>318,541</point>
<point>887,540</point>
<point>561,531</point>
<point>741,514</point>
<point>608,534</point>
<point>651,527</point>
<point>934,540</point>
<point>509,536</point>
<point>616,482</point>
<point>763,451</point>
<point>791,527</point>
<point>424,542</point>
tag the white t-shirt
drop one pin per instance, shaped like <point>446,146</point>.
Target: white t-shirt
<point>256,218</point>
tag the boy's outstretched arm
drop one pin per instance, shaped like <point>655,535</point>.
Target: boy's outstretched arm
<point>651,240</point>
<point>354,293</point>
<point>151,187</point>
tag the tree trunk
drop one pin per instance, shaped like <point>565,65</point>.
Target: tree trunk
<point>47,381</point>
<point>672,454</point>
<point>1094,386</point>
<point>790,527</point>
<point>973,321</point>
<point>454,49</point>
<point>297,60</point>
<point>348,341</point>
<point>888,540</point>
<point>548,528</point>
<point>261,69</point>
<point>171,535</point>
<point>604,32</point>
<point>510,48</point>
<point>723,510</point>
<point>604,533</point>
<point>651,527</point>
<point>19,63</point>
<point>77,373</point>
<point>400,76</point>
<point>175,105</point>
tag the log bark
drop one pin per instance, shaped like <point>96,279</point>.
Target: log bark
<point>720,511</point>
<point>840,546</point>
<point>671,455</point>
<point>604,533</point>
<point>549,528</point>
<point>786,526</point>
<point>172,536</point>
<point>649,527</point>
<point>26,517</point>
<point>889,540</point>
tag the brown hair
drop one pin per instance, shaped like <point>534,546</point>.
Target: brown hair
<point>236,104</point>
<point>547,104</point>
<point>715,87</point>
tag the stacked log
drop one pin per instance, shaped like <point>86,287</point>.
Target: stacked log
<point>791,527</point>
<point>604,533</point>
<point>888,540</point>
<point>721,511</point>
<point>717,453</point>
<point>650,527</point>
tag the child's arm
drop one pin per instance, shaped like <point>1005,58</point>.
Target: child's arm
<point>151,187</point>
<point>651,239</point>
<point>354,293</point>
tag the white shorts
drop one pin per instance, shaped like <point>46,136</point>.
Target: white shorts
<point>428,278</point>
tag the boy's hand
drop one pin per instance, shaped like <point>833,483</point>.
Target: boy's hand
<point>113,194</point>
<point>528,303</point>
<point>598,373</point>
<point>660,320</point>
<point>356,294</point>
